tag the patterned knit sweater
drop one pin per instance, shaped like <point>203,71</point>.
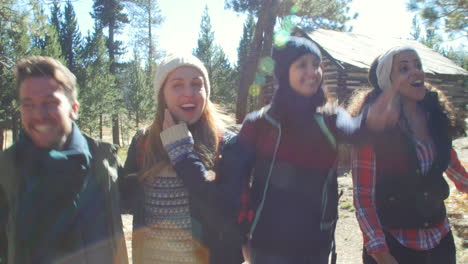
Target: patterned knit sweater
<point>168,238</point>
<point>178,215</point>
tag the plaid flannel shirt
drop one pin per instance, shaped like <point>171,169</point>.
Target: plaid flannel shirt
<point>364,179</point>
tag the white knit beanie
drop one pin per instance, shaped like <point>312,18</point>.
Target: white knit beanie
<point>384,68</point>
<point>173,61</point>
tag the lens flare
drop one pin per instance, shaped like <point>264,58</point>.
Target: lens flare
<point>254,90</point>
<point>260,79</point>
<point>295,9</point>
<point>266,65</point>
<point>281,37</point>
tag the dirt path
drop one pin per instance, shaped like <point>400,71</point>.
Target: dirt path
<point>348,235</point>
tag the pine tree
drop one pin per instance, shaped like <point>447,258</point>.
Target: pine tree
<point>70,37</point>
<point>215,60</point>
<point>109,13</point>
<point>138,95</point>
<point>449,15</point>
<point>15,43</point>
<point>45,36</point>
<point>97,92</point>
<point>223,81</point>
<point>145,18</point>
<point>56,16</point>
<point>435,41</point>
<point>416,29</point>
<point>205,49</point>
<point>242,56</point>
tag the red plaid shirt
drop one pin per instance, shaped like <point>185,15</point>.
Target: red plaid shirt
<point>363,169</point>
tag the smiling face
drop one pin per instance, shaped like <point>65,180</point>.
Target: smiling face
<point>407,73</point>
<point>185,94</point>
<point>46,112</point>
<point>305,75</point>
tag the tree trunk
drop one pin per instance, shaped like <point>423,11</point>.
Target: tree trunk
<point>2,139</point>
<point>260,47</point>
<point>248,75</point>
<point>268,45</point>
<point>115,129</point>
<point>101,127</point>
<point>137,119</point>
<point>150,40</point>
<point>115,117</point>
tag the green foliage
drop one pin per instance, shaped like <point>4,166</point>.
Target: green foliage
<point>416,28</point>
<point>18,27</point>
<point>222,75</point>
<point>145,19</point>
<point>448,15</point>
<point>70,37</point>
<point>223,81</point>
<point>45,36</point>
<point>435,41</point>
<point>242,55</point>
<point>246,40</point>
<point>109,13</point>
<point>460,57</point>
<point>139,99</point>
<point>97,92</point>
<point>205,49</point>
<point>55,15</point>
<point>310,14</point>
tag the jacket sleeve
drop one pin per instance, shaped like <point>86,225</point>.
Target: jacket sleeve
<point>243,164</point>
<point>349,129</point>
<point>363,171</point>
<point>212,200</point>
<point>457,172</point>
<point>128,181</point>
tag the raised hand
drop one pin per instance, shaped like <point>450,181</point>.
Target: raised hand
<point>385,111</point>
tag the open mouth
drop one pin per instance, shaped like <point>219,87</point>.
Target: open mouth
<point>188,107</point>
<point>418,84</point>
<point>42,128</point>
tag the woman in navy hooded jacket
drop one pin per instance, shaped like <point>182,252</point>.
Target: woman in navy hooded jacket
<point>288,160</point>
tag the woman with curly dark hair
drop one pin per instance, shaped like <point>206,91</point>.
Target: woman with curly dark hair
<point>399,190</point>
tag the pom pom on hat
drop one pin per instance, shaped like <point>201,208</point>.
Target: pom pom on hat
<point>176,60</point>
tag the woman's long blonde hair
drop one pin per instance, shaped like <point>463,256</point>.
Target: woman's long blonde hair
<point>206,132</point>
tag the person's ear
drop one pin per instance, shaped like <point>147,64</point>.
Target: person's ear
<point>75,108</point>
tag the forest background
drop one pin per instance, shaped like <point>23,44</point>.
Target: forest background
<point>114,57</point>
<point>114,72</point>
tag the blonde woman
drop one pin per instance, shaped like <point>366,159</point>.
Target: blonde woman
<point>174,187</point>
